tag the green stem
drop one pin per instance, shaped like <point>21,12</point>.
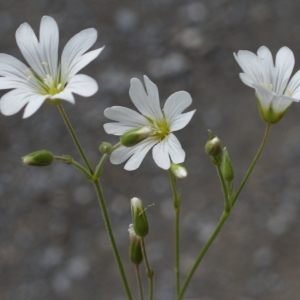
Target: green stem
<point>201,254</point>
<point>111,237</point>
<point>259,152</point>
<point>227,204</point>
<point>149,271</point>
<point>70,161</point>
<point>177,203</point>
<point>72,132</point>
<point>101,200</point>
<point>225,214</point>
<point>138,276</point>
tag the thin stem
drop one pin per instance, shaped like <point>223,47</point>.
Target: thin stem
<point>111,237</point>
<point>70,161</point>
<point>101,201</point>
<point>227,204</point>
<point>225,214</point>
<point>259,152</point>
<point>177,201</point>
<point>72,132</point>
<point>201,254</point>
<point>138,277</point>
<point>149,271</point>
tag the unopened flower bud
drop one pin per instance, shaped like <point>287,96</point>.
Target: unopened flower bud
<point>39,158</point>
<point>214,149</point>
<point>134,136</point>
<point>135,248</point>
<point>178,170</point>
<point>139,218</point>
<point>226,167</point>
<point>106,148</point>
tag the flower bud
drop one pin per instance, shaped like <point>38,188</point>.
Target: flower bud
<point>214,149</point>
<point>178,170</point>
<point>226,167</point>
<point>139,218</point>
<point>134,136</point>
<point>39,158</point>
<point>135,248</point>
<point>106,148</point>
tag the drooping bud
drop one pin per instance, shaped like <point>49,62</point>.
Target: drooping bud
<point>178,170</point>
<point>214,149</point>
<point>134,136</point>
<point>135,248</point>
<point>106,148</point>
<point>226,167</point>
<point>139,218</point>
<point>39,158</point>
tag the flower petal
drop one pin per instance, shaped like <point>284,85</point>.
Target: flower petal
<point>175,150</point>
<point>33,105</point>
<point>12,67</point>
<point>76,46</point>
<point>250,65</point>
<point>49,38</point>
<point>30,48</point>
<point>121,154</point>
<point>176,104</point>
<point>281,103</point>
<point>293,88</point>
<point>13,101</point>
<point>283,69</point>
<point>139,154</point>
<point>81,61</point>
<point>266,60</point>
<point>125,116</point>
<point>116,128</point>
<point>82,85</point>
<point>160,154</point>
<point>66,95</point>
<point>181,120</point>
<point>147,103</point>
<point>264,95</point>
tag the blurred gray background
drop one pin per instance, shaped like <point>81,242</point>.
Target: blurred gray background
<point>53,244</point>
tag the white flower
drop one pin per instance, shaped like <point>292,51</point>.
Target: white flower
<point>46,79</point>
<point>162,124</point>
<point>273,90</point>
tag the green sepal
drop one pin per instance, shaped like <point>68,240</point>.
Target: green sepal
<point>269,115</point>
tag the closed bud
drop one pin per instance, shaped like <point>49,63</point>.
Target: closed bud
<point>135,248</point>
<point>178,170</point>
<point>139,218</point>
<point>106,148</point>
<point>214,149</point>
<point>39,158</point>
<point>134,136</point>
<point>226,167</point>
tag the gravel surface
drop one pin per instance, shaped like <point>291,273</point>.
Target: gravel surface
<point>53,243</point>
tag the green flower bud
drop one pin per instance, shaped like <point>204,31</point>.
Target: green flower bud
<point>226,167</point>
<point>106,148</point>
<point>39,158</point>
<point>139,218</point>
<point>134,136</point>
<point>135,248</point>
<point>214,149</point>
<point>178,170</point>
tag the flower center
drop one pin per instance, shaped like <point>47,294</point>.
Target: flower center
<point>160,129</point>
<point>49,85</point>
